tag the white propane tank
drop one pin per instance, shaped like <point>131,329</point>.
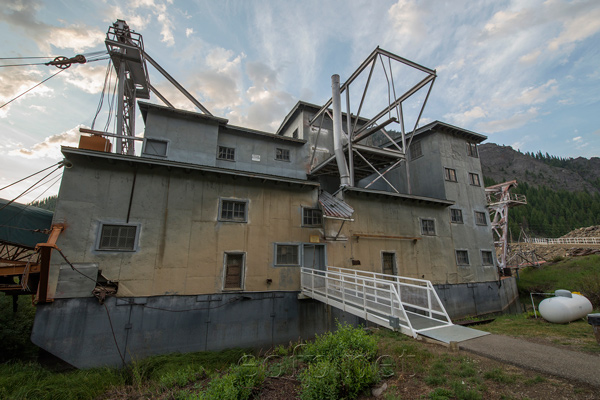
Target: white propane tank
<point>564,307</point>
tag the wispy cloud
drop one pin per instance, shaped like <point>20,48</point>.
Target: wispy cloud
<point>50,146</point>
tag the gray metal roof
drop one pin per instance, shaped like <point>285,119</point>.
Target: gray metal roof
<point>333,207</point>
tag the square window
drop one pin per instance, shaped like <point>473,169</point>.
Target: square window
<point>282,154</point>
<point>233,210</point>
<point>472,150</point>
<point>287,254</point>
<point>415,150</point>
<point>450,174</point>
<point>487,258</point>
<point>462,257</point>
<point>117,237</point>
<point>474,179</point>
<point>480,218</point>
<point>226,153</point>
<point>427,227</point>
<point>312,217</point>
<point>154,147</point>
<point>456,216</point>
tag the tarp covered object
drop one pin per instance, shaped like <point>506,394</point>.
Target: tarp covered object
<point>17,222</point>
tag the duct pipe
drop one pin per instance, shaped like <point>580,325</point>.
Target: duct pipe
<point>338,148</point>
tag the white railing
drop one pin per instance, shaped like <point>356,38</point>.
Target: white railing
<point>580,240</point>
<point>386,300</point>
<point>417,294</point>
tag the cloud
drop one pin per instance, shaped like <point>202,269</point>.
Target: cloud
<point>540,94</point>
<point>76,37</point>
<point>189,32</point>
<point>86,77</point>
<point>409,20</point>
<point>578,139</point>
<point>582,26</point>
<point>50,146</point>
<point>15,82</point>
<point>514,121</point>
<point>465,118</point>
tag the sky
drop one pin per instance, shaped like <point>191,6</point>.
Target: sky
<point>525,73</point>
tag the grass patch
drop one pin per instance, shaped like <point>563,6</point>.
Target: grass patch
<point>15,329</point>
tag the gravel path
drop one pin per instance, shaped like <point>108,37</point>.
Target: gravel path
<point>538,357</point>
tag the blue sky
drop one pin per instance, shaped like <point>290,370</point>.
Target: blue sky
<point>526,73</point>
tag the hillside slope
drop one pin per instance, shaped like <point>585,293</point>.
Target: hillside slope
<point>503,163</point>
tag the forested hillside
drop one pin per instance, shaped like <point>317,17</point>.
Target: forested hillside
<point>49,203</point>
<point>562,193</point>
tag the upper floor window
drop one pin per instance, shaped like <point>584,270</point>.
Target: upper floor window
<point>450,174</point>
<point>427,227</point>
<point>472,149</point>
<point>474,179</point>
<point>226,153</point>
<point>462,257</point>
<point>233,210</point>
<point>295,134</point>
<point>415,150</point>
<point>312,217</point>
<point>155,147</point>
<point>487,258</point>
<point>480,218</point>
<point>456,216</point>
<point>117,237</point>
<point>282,154</point>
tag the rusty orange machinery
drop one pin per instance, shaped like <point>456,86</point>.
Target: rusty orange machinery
<point>30,273</point>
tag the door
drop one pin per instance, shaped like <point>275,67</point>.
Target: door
<point>314,256</point>
<point>388,263</point>
<point>234,268</point>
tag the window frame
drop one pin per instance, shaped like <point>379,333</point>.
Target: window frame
<point>449,174</point>
<point>226,156</point>
<point>312,209</point>
<point>394,262</point>
<point>477,220</point>
<point>473,181</point>
<point>483,261</point>
<point>472,150</point>
<point>452,220</point>
<point>466,252</point>
<point>242,271</point>
<point>412,149</point>
<point>227,199</point>
<point>165,141</point>
<point>426,232</point>
<point>283,152</point>
<point>298,246</point>
<point>101,226</point>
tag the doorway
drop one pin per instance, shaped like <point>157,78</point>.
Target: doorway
<point>313,256</point>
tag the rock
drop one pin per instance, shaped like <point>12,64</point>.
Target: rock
<point>378,392</point>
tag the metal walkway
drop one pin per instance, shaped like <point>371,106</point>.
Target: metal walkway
<point>408,305</point>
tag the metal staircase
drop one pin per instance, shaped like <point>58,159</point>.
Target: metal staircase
<point>408,305</point>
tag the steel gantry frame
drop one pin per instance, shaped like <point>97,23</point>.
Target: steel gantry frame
<point>126,50</point>
<point>369,158</point>
<point>499,200</point>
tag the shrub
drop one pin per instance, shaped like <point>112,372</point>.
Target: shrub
<point>239,383</point>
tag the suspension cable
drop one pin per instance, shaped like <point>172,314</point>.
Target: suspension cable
<point>35,173</point>
<point>51,76</point>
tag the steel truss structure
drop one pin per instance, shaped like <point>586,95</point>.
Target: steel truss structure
<point>126,50</point>
<point>499,200</point>
<point>366,159</point>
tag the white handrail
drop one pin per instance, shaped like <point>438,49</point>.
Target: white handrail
<point>576,240</point>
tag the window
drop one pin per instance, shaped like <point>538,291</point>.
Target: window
<point>456,216</point>
<point>487,258</point>
<point>462,257</point>
<point>472,150</point>
<point>117,237</point>
<point>474,179</point>
<point>295,134</point>
<point>427,227</point>
<point>415,150</point>
<point>480,218</point>
<point>282,154</point>
<point>312,217</point>
<point>233,210</point>
<point>226,153</point>
<point>287,255</point>
<point>450,174</point>
<point>388,263</point>
<point>234,270</point>
<point>155,147</point>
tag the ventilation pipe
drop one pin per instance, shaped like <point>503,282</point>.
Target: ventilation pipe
<point>338,148</point>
